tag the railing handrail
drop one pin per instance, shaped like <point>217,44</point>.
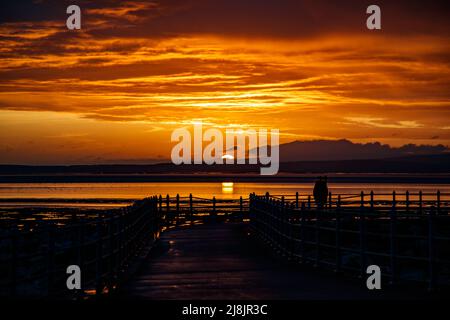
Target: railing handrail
<point>311,234</point>
<point>117,235</point>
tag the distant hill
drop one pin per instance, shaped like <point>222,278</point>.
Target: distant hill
<point>408,164</point>
<point>298,157</point>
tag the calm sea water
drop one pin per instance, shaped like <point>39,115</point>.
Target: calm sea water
<point>227,190</point>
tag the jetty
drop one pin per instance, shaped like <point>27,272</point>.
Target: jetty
<point>260,247</point>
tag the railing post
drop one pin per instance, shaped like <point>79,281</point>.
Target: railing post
<point>309,202</point>
<point>361,202</point>
<point>296,200</point>
<point>394,201</point>
<point>241,207</point>
<point>169,217</point>
<point>317,235</point>
<point>393,240</point>
<point>330,200</point>
<point>178,204</point>
<point>120,231</point>
<point>124,234</point>
<point>111,259</point>
<point>251,199</point>
<point>302,233</point>
<point>99,257</point>
<point>338,234</point>
<point>420,201</point>
<point>214,205</point>
<point>282,228</point>
<point>362,237</point>
<point>280,224</point>
<point>50,259</point>
<point>431,251</point>
<point>270,221</point>
<point>191,208</point>
<point>80,245</point>
<point>14,258</point>
<point>438,196</point>
<point>371,200</point>
<point>407,201</point>
<point>292,242</point>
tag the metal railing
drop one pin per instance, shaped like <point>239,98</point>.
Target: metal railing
<point>36,251</point>
<point>409,241</point>
<point>38,244</point>
<point>406,235</point>
<point>187,210</point>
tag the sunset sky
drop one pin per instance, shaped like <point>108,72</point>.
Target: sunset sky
<point>114,90</point>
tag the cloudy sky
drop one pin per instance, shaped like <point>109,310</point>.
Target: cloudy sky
<point>115,90</point>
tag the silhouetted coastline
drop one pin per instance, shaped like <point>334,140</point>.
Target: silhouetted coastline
<point>413,169</point>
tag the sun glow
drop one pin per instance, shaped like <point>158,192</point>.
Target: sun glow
<point>227,156</point>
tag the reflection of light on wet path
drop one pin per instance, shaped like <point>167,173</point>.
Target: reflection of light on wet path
<point>227,187</point>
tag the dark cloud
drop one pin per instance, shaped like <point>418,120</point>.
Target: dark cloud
<point>345,150</point>
<point>286,18</point>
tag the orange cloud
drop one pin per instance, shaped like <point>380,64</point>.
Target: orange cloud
<point>124,71</point>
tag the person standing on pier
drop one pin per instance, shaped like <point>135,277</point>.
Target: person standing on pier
<point>320,192</point>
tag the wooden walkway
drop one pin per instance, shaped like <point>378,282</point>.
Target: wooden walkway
<point>204,251</point>
<point>221,261</point>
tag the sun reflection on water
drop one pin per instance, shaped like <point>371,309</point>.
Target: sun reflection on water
<point>227,187</point>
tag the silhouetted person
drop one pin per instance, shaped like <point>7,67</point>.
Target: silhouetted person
<point>321,192</point>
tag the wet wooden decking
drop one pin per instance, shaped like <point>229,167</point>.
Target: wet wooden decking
<point>221,261</point>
